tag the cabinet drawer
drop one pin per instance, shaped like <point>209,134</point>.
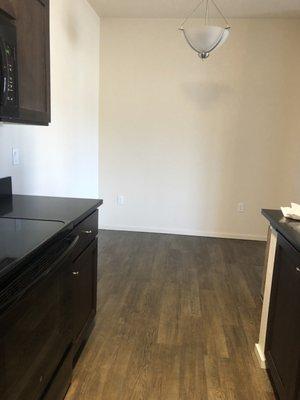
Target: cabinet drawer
<point>87,230</point>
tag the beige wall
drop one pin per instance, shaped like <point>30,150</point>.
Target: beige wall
<point>62,159</point>
<point>185,141</point>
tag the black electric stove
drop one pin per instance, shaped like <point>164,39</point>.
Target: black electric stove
<point>19,238</point>
<point>28,224</point>
<point>39,240</point>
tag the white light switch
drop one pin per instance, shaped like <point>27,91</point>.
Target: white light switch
<point>15,156</point>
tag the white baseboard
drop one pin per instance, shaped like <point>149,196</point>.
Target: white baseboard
<point>184,232</point>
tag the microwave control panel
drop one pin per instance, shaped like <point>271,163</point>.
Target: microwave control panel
<point>9,93</point>
<point>10,79</point>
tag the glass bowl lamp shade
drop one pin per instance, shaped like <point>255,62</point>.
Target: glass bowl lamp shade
<point>206,38</point>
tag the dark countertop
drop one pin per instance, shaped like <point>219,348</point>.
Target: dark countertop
<point>67,210</point>
<point>289,228</point>
<point>28,224</point>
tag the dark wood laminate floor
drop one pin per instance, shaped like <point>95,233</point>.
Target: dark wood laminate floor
<point>178,318</point>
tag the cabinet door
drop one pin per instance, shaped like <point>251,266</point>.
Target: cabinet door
<point>32,21</point>
<point>282,347</point>
<point>85,290</point>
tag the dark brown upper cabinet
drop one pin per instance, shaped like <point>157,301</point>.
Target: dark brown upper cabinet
<point>33,53</point>
<point>6,8</point>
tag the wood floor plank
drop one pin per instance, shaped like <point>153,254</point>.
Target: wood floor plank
<point>178,317</point>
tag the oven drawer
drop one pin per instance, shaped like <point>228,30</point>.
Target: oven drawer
<point>87,230</point>
<point>62,379</point>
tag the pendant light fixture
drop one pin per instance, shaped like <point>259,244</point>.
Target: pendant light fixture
<point>206,38</point>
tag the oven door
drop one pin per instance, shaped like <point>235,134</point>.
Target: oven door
<point>35,326</point>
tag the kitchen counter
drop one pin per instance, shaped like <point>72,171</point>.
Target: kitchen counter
<point>289,228</point>
<point>277,348</point>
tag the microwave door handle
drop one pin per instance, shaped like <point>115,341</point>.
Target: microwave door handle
<point>14,300</point>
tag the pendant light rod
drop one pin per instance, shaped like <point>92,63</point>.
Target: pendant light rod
<point>220,11</point>
<point>206,13</point>
<point>191,14</point>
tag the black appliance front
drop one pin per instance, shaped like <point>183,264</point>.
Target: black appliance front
<point>36,325</point>
<point>9,93</point>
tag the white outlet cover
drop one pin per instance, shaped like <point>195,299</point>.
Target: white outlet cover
<point>241,207</point>
<point>121,200</point>
<point>15,156</point>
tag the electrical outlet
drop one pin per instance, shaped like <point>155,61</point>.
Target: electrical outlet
<point>15,156</point>
<point>241,207</point>
<point>120,200</point>
<point>18,225</point>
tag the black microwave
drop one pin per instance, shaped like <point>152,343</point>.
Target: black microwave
<point>9,93</point>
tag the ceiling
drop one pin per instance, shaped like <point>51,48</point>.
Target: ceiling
<point>180,8</point>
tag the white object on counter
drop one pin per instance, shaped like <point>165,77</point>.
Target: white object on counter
<point>292,212</point>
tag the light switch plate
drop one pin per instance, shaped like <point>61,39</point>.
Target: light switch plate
<point>15,156</point>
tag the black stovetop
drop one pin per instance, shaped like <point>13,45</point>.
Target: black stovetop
<point>19,237</point>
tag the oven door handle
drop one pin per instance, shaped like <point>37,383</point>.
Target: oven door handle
<point>58,260</point>
<point>14,300</point>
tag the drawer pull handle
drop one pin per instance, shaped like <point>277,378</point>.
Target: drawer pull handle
<point>88,232</point>
<point>76,273</point>
<point>298,269</point>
